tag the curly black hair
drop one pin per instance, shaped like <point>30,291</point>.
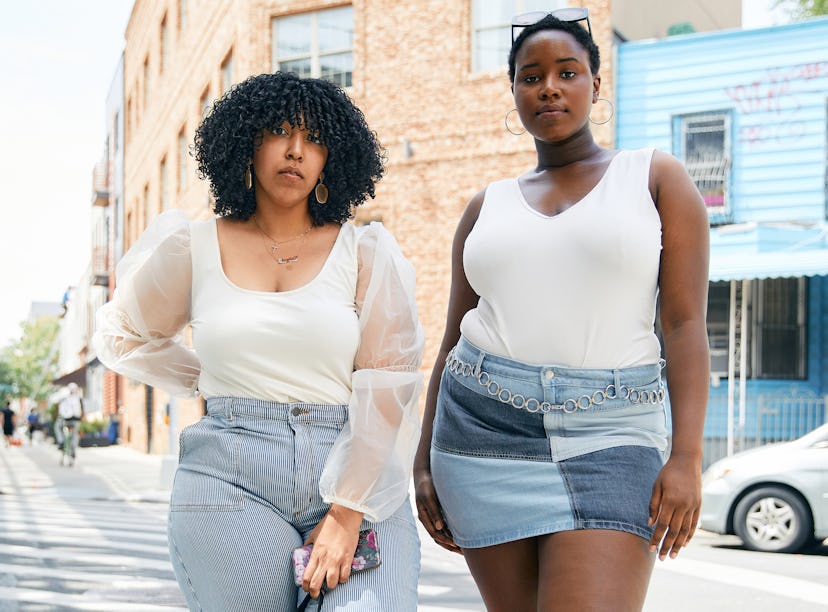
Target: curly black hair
<point>231,132</point>
<point>552,23</point>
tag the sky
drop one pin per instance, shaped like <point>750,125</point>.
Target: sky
<point>58,58</point>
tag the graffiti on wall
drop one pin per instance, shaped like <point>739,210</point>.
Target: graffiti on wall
<point>778,95</point>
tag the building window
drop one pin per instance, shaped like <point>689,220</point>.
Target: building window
<point>718,327</point>
<point>148,212</point>
<point>146,83</point>
<point>129,119</point>
<point>163,196</point>
<point>227,72</point>
<point>780,328</point>
<point>704,146</point>
<point>116,132</point>
<point>204,102</point>
<point>163,45</point>
<point>778,332</point>
<point>182,14</point>
<point>492,29</point>
<point>318,44</point>
<point>182,159</point>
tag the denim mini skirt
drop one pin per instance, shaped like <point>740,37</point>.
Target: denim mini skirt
<point>521,450</point>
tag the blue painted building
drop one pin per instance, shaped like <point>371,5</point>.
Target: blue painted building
<point>747,112</point>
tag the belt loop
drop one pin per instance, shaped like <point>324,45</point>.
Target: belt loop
<point>477,366</point>
<point>228,409</point>
<point>616,378</point>
<point>662,363</point>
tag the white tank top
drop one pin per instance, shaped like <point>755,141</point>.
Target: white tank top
<point>577,289</point>
<point>294,345</point>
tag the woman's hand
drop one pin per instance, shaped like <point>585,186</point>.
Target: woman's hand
<point>334,542</point>
<point>428,510</point>
<point>674,506</point>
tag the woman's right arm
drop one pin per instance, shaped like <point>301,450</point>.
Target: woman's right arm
<point>462,298</point>
<point>138,332</point>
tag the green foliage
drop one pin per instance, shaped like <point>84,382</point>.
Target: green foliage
<point>804,9</point>
<point>93,427</point>
<point>31,363</point>
<point>6,379</point>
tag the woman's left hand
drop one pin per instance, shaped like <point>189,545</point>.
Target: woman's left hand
<point>334,542</point>
<point>674,506</point>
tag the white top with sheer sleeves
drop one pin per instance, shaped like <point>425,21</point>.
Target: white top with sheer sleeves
<point>350,336</point>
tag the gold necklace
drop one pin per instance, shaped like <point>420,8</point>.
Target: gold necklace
<point>276,244</point>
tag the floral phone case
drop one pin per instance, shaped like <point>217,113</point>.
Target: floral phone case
<point>366,556</point>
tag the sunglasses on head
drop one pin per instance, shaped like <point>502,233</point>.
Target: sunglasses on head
<point>564,14</point>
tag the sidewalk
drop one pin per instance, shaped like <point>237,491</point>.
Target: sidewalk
<point>110,473</point>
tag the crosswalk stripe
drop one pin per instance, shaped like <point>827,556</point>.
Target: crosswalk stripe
<point>90,558</point>
<point>80,602</point>
<point>46,542</point>
<point>114,580</point>
<point>98,544</point>
<point>20,529</point>
<point>793,588</point>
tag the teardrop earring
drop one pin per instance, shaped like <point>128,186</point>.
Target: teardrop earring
<point>248,178</point>
<point>321,191</point>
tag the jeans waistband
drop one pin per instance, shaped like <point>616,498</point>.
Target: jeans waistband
<point>231,407</point>
<point>636,385</point>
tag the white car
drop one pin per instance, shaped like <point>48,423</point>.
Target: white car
<point>775,498</point>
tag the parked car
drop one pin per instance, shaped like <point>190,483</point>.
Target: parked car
<point>775,497</point>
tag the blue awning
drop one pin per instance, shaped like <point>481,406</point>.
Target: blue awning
<point>768,251</point>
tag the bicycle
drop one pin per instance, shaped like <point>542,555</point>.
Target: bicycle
<point>70,441</point>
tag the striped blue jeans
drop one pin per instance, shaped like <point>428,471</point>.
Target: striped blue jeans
<point>246,494</point>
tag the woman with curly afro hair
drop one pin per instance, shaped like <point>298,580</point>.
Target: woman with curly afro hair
<point>306,347</point>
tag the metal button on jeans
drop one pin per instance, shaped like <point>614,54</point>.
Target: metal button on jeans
<point>296,411</point>
<point>550,375</point>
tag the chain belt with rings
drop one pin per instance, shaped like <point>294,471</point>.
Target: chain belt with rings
<point>583,402</point>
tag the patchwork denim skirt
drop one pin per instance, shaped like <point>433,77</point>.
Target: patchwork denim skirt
<point>522,450</point>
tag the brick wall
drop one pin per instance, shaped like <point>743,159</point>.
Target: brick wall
<point>412,80</point>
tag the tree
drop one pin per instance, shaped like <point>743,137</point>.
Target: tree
<point>7,386</point>
<point>803,9</point>
<point>32,361</point>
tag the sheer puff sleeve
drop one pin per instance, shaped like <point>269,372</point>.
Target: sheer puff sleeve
<point>369,466</point>
<point>138,333</point>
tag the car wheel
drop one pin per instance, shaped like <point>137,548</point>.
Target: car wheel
<point>773,519</point>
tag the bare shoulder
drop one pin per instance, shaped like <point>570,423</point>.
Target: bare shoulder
<point>471,213</point>
<point>671,187</point>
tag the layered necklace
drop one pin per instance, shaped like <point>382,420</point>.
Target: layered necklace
<point>275,245</point>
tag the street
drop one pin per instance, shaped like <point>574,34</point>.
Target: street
<point>93,537</point>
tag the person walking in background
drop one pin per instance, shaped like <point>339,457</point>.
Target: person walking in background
<point>70,413</point>
<point>307,349</point>
<point>8,424</point>
<point>33,421</point>
<point>544,436</point>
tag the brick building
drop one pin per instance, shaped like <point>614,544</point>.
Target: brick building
<point>429,75</point>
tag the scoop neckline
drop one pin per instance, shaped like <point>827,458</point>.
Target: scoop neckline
<point>310,283</point>
<point>595,187</point>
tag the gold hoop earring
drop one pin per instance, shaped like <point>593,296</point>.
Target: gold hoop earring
<point>509,129</point>
<point>248,177</point>
<point>611,113</point>
<point>321,191</point>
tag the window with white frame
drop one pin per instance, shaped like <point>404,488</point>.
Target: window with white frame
<point>492,28</point>
<point>318,44</point>
<point>704,146</point>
